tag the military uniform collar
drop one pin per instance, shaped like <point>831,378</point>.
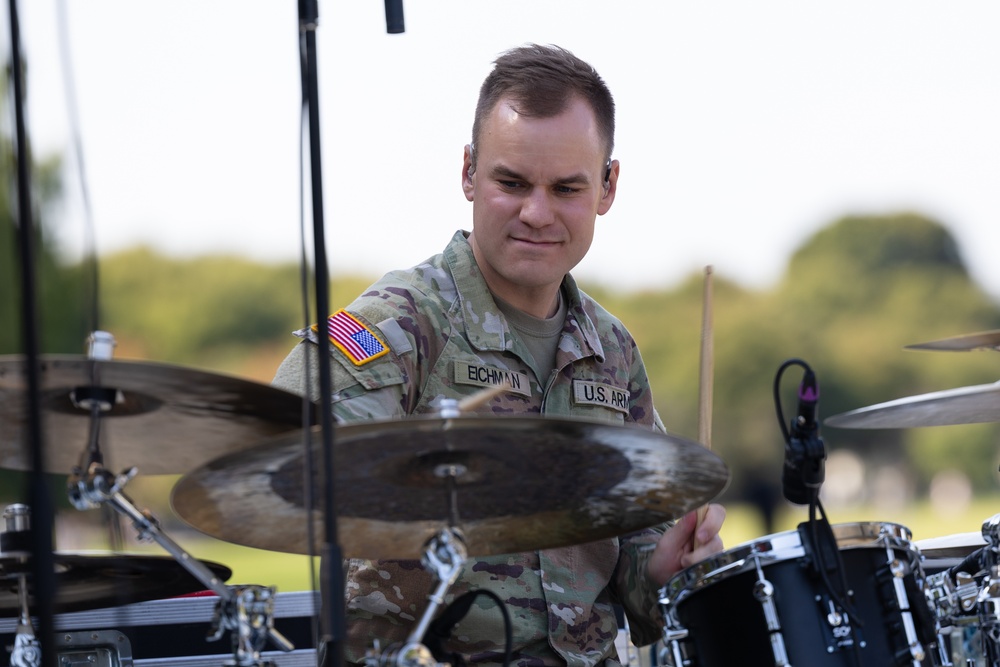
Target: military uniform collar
<point>490,331</point>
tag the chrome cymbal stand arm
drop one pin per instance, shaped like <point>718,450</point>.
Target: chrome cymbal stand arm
<point>27,650</point>
<point>99,486</point>
<point>444,556</point>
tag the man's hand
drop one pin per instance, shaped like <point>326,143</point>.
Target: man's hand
<point>677,548</point>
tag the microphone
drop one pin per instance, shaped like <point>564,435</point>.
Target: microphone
<point>394,17</point>
<point>804,469</point>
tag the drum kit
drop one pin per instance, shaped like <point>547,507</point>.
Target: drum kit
<point>450,485</point>
<point>438,488</point>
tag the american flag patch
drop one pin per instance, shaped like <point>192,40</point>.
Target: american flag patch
<point>354,339</point>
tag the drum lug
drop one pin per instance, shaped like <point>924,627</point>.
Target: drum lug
<point>898,571</point>
<point>763,592</point>
<point>672,654</point>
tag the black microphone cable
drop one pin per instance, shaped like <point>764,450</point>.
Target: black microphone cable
<point>439,631</point>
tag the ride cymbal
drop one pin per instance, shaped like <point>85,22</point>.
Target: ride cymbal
<point>966,405</point>
<point>161,418</point>
<point>986,340</point>
<point>509,484</point>
<point>91,581</point>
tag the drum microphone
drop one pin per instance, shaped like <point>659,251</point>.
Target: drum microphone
<point>804,469</point>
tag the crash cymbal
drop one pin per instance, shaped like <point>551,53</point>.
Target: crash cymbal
<point>162,418</point>
<point>521,483</point>
<point>92,581</point>
<point>986,340</point>
<point>966,405</point>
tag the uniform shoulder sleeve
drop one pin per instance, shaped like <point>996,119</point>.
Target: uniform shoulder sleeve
<point>372,393</point>
<point>638,595</point>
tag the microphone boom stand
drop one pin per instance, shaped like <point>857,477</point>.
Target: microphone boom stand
<point>43,559</point>
<point>332,584</point>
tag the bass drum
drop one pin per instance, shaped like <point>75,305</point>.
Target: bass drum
<point>765,603</point>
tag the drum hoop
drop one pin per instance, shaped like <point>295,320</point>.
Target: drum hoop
<point>786,545</point>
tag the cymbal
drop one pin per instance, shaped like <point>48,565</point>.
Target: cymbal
<point>91,581</point>
<point>965,405</point>
<point>986,340</point>
<point>521,483</point>
<point>162,419</point>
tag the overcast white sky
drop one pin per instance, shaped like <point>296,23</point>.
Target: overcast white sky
<point>744,127</point>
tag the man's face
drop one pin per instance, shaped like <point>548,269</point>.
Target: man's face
<point>536,191</point>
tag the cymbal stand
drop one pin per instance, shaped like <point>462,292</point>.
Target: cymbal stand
<point>250,616</point>
<point>444,556</point>
<point>247,610</point>
<point>27,650</point>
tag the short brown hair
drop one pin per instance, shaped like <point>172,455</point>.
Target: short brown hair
<point>542,79</point>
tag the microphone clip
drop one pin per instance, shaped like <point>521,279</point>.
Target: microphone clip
<point>805,470</point>
<point>804,467</point>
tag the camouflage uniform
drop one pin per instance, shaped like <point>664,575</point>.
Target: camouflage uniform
<point>445,337</point>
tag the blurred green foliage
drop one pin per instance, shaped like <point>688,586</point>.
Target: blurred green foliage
<point>852,297</point>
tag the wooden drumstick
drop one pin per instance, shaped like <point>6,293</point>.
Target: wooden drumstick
<point>482,397</point>
<point>706,372</point>
<point>706,368</point>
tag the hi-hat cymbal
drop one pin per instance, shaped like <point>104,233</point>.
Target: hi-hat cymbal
<point>91,581</point>
<point>162,419</point>
<point>520,483</point>
<point>965,405</point>
<point>986,340</point>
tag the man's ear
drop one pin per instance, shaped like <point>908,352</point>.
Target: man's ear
<point>468,172</point>
<point>610,186</point>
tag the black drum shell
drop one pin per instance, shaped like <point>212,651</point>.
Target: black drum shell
<point>726,624</point>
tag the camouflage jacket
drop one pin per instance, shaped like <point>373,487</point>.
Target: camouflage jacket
<point>435,331</point>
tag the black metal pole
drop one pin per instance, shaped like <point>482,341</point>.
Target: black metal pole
<point>39,499</point>
<point>394,23</point>
<point>331,561</point>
